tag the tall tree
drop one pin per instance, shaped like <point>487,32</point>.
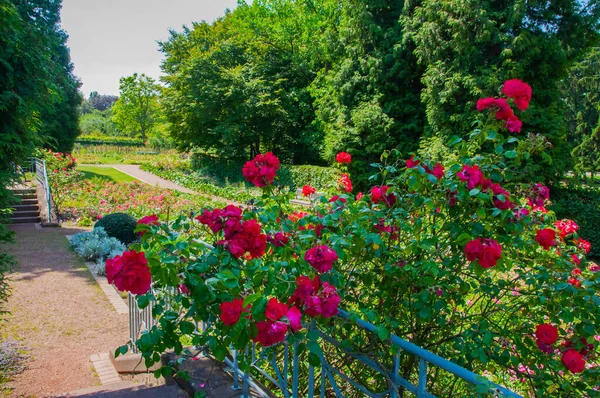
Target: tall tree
<point>136,110</point>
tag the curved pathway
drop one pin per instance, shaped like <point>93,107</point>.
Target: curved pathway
<point>59,312</point>
<point>136,172</point>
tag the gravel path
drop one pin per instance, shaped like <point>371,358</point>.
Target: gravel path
<point>59,311</point>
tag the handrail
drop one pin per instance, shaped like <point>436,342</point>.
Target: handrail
<point>143,320</point>
<point>39,167</point>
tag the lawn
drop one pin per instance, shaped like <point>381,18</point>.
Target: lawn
<point>107,173</point>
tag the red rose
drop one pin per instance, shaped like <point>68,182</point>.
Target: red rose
<point>280,239</point>
<point>539,194</point>
<point>501,204</point>
<point>380,193</point>
<point>330,300</point>
<point>231,311</point>
<point>566,227</point>
<point>491,253</point>
<point>297,215</point>
<point>584,245</point>
<point>546,333</point>
<point>275,309</point>
<point>295,317</point>
<point>438,171</point>
<point>359,196</point>
<point>335,198</point>
<point>346,183</point>
<point>412,163</point>
<point>321,258</point>
<point>519,91</point>
<point>148,220</point>
<point>307,190</point>
<point>472,175</point>
<point>503,110</point>
<point>343,157</point>
<point>473,249</point>
<point>129,272</point>
<point>573,361</point>
<point>574,282</point>
<point>270,333</point>
<point>513,124</point>
<point>313,306</point>
<point>576,259</point>
<point>245,237</point>
<point>305,288</point>
<point>546,238</point>
<point>261,170</point>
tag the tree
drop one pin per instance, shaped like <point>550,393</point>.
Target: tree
<point>102,102</point>
<point>581,91</point>
<point>136,110</point>
<point>468,48</point>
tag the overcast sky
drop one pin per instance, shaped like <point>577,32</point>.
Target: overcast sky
<point>114,38</point>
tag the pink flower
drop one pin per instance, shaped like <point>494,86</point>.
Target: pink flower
<point>513,124</point>
<point>346,183</point>
<point>519,91</point>
<point>412,163</point>
<point>472,175</point>
<point>380,193</point>
<point>321,258</point>
<point>295,317</point>
<point>275,310</point>
<point>261,170</point>
<point>270,333</point>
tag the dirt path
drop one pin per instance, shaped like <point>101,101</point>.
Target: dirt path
<point>135,171</point>
<point>59,311</point>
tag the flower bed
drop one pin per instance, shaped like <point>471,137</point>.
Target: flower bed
<point>87,201</point>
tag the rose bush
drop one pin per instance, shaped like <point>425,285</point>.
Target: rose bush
<point>461,258</point>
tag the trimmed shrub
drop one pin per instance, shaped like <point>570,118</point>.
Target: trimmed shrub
<point>120,226</point>
<point>108,140</point>
<point>582,204</point>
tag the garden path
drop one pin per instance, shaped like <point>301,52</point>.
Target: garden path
<point>59,311</point>
<point>135,171</point>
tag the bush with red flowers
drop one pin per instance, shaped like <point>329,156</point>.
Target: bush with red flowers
<point>460,257</point>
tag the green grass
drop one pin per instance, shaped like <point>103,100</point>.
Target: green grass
<point>107,173</point>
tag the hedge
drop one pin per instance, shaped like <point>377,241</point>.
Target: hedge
<point>293,176</point>
<point>581,204</point>
<point>108,140</point>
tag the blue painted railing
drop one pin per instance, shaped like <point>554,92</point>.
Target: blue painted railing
<point>273,365</point>
<point>282,358</point>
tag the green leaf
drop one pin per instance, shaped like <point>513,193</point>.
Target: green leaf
<point>314,359</point>
<point>382,332</point>
<point>143,301</point>
<point>187,327</point>
<point>454,140</point>
<point>250,299</point>
<point>474,191</point>
<point>510,154</point>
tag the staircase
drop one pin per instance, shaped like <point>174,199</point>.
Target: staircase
<point>26,209</point>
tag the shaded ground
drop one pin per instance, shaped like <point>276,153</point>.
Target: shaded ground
<point>59,312</point>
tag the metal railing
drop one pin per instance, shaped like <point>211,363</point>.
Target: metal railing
<point>38,166</point>
<point>281,359</point>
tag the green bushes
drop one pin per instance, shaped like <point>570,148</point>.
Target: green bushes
<point>120,226</point>
<point>582,204</point>
<point>108,140</point>
<point>223,171</point>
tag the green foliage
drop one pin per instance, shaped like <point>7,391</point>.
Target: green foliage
<point>136,110</point>
<point>108,140</point>
<point>536,43</point>
<point>321,178</point>
<point>582,204</point>
<point>98,123</point>
<point>402,267</point>
<point>119,226</point>
<point>582,94</point>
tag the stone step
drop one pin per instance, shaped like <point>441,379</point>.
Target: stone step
<point>128,390</point>
<point>27,202</point>
<point>25,220</point>
<point>25,191</point>
<point>25,213</point>
<point>25,208</point>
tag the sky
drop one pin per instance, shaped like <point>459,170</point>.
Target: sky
<point>110,39</point>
